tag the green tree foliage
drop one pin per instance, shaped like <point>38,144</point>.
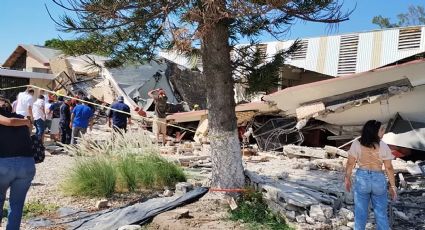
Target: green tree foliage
<point>89,45</point>
<point>414,16</point>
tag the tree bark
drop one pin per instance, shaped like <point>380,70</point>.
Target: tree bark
<point>227,169</point>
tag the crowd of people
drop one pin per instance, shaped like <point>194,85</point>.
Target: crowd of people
<point>65,119</point>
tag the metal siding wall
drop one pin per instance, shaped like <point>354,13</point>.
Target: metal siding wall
<point>422,48</point>
<point>331,64</point>
<point>312,54</point>
<point>390,46</point>
<point>364,52</point>
<point>376,50</point>
<point>322,56</point>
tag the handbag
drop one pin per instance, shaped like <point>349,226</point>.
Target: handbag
<point>38,149</point>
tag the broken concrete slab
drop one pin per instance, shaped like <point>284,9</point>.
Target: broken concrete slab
<point>183,187</point>
<point>302,151</point>
<point>130,227</point>
<point>334,151</point>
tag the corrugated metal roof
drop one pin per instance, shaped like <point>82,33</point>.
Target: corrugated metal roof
<point>375,49</point>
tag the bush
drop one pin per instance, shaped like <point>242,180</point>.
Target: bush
<point>33,209</point>
<point>92,177</point>
<point>253,210</point>
<point>156,172</point>
<point>99,176</point>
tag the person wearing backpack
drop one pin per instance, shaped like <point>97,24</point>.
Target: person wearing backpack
<point>55,112</point>
<point>17,164</point>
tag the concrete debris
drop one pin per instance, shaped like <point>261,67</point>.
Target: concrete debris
<point>131,227</point>
<point>347,214</point>
<point>168,193</point>
<point>329,165</point>
<point>183,187</point>
<point>301,151</point>
<point>309,220</point>
<point>335,151</point>
<point>290,215</point>
<point>300,219</point>
<point>101,204</point>
<point>180,213</point>
<point>317,213</point>
<point>344,228</point>
<point>401,215</point>
<point>350,225</point>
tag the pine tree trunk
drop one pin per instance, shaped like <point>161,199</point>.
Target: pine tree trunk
<point>227,171</point>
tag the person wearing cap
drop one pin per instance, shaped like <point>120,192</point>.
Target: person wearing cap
<point>65,120</point>
<point>81,119</point>
<point>117,120</point>
<point>160,100</point>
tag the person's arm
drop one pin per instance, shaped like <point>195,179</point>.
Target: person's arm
<point>351,162</point>
<point>6,121</point>
<point>390,174</point>
<point>30,113</point>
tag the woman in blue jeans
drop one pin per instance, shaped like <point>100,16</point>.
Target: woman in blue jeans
<point>370,184</point>
<point>17,166</point>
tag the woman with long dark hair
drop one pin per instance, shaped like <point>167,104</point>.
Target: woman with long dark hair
<point>370,184</point>
<point>17,165</point>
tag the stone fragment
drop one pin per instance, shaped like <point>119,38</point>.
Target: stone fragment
<point>328,210</point>
<point>290,215</point>
<point>347,214</point>
<point>309,220</point>
<point>291,207</point>
<point>130,227</point>
<point>300,219</point>
<point>370,226</point>
<point>401,215</point>
<point>343,228</point>
<point>102,204</point>
<point>183,187</point>
<point>317,213</point>
<point>168,193</point>
<point>180,213</point>
<point>350,224</point>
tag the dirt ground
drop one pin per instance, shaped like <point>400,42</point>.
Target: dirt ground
<point>208,213</point>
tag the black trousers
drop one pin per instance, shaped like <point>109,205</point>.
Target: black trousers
<point>65,133</point>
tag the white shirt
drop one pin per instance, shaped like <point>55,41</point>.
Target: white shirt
<point>38,109</point>
<point>24,101</point>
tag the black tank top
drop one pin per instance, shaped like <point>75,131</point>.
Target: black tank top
<point>14,141</point>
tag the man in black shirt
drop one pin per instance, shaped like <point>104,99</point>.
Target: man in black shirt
<point>119,120</point>
<point>65,120</point>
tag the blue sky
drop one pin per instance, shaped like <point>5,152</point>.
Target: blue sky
<point>27,21</point>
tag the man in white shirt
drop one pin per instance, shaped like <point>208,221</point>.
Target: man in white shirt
<point>24,103</point>
<point>39,115</point>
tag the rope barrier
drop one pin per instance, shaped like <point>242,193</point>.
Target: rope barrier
<point>138,117</point>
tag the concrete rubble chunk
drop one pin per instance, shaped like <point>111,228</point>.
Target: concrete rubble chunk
<point>180,213</point>
<point>327,210</point>
<point>309,220</point>
<point>329,164</point>
<point>333,151</point>
<point>401,215</point>
<point>290,215</point>
<point>131,227</point>
<point>343,228</point>
<point>300,219</point>
<point>347,214</point>
<point>168,193</point>
<point>317,213</point>
<point>350,224</point>
<point>102,204</point>
<point>183,187</point>
<point>301,151</point>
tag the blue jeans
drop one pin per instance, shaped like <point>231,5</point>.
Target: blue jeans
<point>40,126</point>
<point>370,186</point>
<point>16,173</point>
